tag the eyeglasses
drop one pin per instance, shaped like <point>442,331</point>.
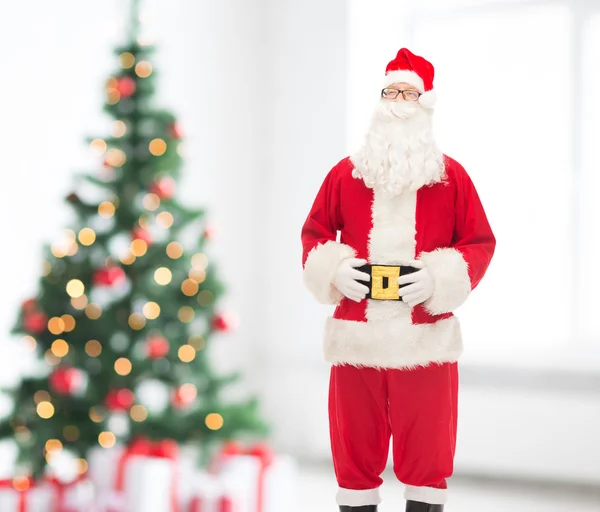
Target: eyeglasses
<point>391,94</point>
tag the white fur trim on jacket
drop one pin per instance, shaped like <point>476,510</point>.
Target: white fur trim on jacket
<point>430,495</point>
<point>358,498</point>
<point>320,268</point>
<point>393,343</point>
<point>404,75</point>
<point>451,276</point>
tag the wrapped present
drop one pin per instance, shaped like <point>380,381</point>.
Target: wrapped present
<point>23,495</point>
<point>47,495</point>
<point>267,479</point>
<point>74,496</point>
<point>215,493</point>
<point>143,476</point>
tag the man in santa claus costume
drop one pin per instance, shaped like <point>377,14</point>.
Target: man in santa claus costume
<point>414,241</point>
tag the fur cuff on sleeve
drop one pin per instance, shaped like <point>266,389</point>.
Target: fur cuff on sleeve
<point>451,276</point>
<point>320,268</point>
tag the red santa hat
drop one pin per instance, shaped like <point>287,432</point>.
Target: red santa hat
<point>414,70</point>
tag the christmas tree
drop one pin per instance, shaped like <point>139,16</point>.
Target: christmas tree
<point>128,301</point>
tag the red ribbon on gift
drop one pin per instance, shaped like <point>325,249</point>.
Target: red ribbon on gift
<point>23,493</point>
<point>265,456</point>
<point>225,504</point>
<point>144,447</point>
<point>60,489</point>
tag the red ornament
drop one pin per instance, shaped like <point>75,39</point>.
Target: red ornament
<point>209,232</point>
<point>223,322</point>
<point>108,276</point>
<point>182,398</point>
<point>163,187</point>
<point>35,322</point>
<point>66,381</point>
<point>119,399</point>
<point>157,347</point>
<point>175,131</point>
<point>29,305</point>
<point>126,86</point>
<point>141,234</point>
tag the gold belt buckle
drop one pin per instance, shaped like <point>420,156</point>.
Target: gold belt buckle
<point>384,282</point>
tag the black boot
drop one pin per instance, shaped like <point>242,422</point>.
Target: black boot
<point>364,508</point>
<point>418,506</point>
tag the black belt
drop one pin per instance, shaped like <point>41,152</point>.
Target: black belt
<point>384,280</point>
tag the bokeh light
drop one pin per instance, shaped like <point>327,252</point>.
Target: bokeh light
<point>151,202</point>
<point>127,60</point>
<point>165,219</point>
<point>138,413</point>
<point>107,439</point>
<point>60,348</point>
<point>75,288</point>
<point>137,321</point>
<point>151,310</point>
<point>93,311</point>
<point>174,250</point>
<point>106,209</point>
<point>93,348</point>
<point>214,421</point>
<point>69,322</point>
<point>139,247</point>
<point>157,147</point>
<point>87,236</point>
<point>45,410</point>
<point>79,302</point>
<point>98,147</point>
<point>115,157</point>
<point>163,276</point>
<point>123,366</point>
<point>186,314</point>
<point>56,325</point>
<point>189,287</point>
<point>186,353</point>
<point>143,69</point>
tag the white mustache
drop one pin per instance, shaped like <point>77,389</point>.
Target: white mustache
<point>397,109</point>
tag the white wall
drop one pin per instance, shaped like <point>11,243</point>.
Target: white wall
<point>305,136</point>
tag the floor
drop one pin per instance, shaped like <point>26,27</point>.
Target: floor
<point>317,494</point>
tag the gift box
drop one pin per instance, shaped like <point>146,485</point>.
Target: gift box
<point>266,480</point>
<point>74,496</point>
<point>140,477</point>
<point>33,498</point>
<point>48,495</point>
<point>216,493</point>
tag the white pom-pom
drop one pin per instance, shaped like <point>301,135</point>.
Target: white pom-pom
<point>428,99</point>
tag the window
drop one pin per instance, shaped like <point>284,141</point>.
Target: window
<point>516,107</point>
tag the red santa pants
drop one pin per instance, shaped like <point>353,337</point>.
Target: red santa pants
<point>417,408</point>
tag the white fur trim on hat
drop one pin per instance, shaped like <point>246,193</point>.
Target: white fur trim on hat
<point>404,75</point>
<point>428,99</point>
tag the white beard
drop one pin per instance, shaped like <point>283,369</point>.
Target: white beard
<point>399,151</point>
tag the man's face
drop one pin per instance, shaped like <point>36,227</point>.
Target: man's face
<point>400,91</point>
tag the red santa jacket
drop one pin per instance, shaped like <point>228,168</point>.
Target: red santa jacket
<point>444,225</point>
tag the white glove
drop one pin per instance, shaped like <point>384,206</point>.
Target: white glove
<point>346,276</point>
<point>421,288</point>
